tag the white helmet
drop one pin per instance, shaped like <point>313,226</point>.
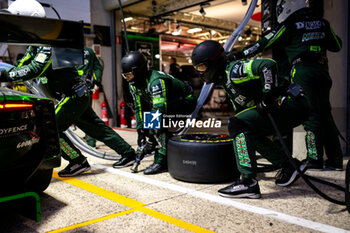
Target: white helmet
<point>285,8</point>
<point>27,7</point>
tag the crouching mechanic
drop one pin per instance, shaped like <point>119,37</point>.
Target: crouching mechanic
<point>305,38</point>
<point>166,94</point>
<point>74,107</point>
<point>254,89</point>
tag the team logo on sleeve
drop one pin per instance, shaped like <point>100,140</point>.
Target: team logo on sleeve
<point>151,120</point>
<point>41,57</point>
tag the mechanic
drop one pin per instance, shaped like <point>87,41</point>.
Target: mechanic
<point>174,68</point>
<point>75,105</point>
<point>254,89</point>
<point>305,39</point>
<point>164,93</point>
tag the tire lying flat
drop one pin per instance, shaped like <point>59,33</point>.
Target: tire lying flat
<point>202,158</point>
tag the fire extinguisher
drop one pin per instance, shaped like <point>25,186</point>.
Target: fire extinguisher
<point>123,121</point>
<point>133,122</point>
<point>104,113</point>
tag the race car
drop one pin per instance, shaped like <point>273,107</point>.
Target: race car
<point>29,148</point>
<point>29,144</point>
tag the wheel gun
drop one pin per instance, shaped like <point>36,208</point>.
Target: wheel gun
<point>145,149</point>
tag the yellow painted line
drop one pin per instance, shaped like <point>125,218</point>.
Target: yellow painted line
<point>133,204</point>
<point>93,221</point>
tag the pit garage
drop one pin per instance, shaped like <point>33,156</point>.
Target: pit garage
<point>117,200</point>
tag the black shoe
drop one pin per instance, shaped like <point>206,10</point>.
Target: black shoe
<point>287,175</point>
<point>309,165</point>
<point>329,166</point>
<point>124,162</point>
<point>155,169</point>
<point>242,188</point>
<point>74,169</point>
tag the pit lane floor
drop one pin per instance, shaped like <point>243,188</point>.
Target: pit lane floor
<point>115,200</point>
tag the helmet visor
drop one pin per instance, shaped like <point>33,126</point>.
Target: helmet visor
<point>202,67</point>
<point>129,76</point>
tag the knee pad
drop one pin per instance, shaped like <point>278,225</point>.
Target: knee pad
<point>235,127</point>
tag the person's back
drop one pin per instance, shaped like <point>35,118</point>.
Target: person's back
<point>310,37</point>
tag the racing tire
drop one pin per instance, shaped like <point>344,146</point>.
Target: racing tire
<point>202,158</point>
<point>40,180</point>
<point>347,186</point>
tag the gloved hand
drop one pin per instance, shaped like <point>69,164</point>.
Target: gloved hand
<point>234,56</point>
<point>3,76</point>
<point>149,148</point>
<point>141,137</point>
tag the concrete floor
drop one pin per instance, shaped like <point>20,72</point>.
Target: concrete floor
<point>116,200</point>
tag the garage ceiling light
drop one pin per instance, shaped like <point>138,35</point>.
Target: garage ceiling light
<point>176,33</point>
<point>194,30</point>
<point>127,19</point>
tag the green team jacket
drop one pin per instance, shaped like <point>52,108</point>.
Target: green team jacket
<point>162,91</point>
<point>92,66</point>
<point>249,82</point>
<point>60,80</point>
<point>299,35</point>
<point>28,56</point>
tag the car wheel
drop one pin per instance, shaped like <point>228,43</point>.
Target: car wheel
<point>40,180</point>
<point>202,158</point>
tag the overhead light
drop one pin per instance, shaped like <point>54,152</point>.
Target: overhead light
<point>157,56</point>
<point>194,30</point>
<point>176,33</point>
<point>127,19</point>
<point>240,38</point>
<point>212,32</point>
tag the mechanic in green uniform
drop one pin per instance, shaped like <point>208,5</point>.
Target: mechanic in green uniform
<point>254,89</point>
<point>74,107</point>
<point>93,70</point>
<point>164,93</point>
<point>305,39</point>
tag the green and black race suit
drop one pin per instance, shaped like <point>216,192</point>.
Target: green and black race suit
<point>72,109</point>
<point>305,40</point>
<point>168,95</point>
<point>60,81</point>
<point>248,83</point>
<point>92,67</point>
<point>301,36</point>
<point>164,93</point>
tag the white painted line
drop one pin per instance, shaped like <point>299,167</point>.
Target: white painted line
<point>225,201</point>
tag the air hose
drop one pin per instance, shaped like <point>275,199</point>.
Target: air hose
<point>35,88</point>
<point>305,177</point>
<point>229,44</point>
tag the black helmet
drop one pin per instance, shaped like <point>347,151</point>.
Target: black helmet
<point>209,59</point>
<point>134,66</point>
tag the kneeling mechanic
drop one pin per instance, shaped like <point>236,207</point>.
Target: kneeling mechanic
<point>254,89</point>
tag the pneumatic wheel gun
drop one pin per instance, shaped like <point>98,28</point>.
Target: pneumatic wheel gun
<point>145,149</point>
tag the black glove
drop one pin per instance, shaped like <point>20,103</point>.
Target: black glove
<point>3,76</point>
<point>149,148</point>
<point>141,137</point>
<point>234,56</point>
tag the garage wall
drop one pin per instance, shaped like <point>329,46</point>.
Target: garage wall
<point>99,16</point>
